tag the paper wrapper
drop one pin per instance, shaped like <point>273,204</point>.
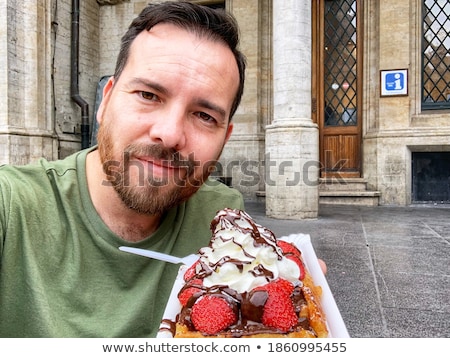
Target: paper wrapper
<point>336,325</point>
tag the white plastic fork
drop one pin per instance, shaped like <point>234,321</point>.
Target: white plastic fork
<point>187,260</point>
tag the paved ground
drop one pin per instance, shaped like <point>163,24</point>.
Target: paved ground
<point>388,267</point>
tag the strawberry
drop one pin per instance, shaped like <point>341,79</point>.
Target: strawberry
<point>299,263</point>
<point>212,314</point>
<point>294,254</point>
<point>279,311</point>
<point>288,248</point>
<point>188,291</point>
<point>280,284</point>
<point>191,271</point>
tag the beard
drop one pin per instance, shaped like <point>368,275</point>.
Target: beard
<point>148,194</point>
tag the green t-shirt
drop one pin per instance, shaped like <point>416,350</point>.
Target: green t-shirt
<point>61,273</point>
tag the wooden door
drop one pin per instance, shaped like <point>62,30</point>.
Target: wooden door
<point>337,55</point>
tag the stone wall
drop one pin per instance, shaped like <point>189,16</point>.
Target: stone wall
<point>113,23</point>
<point>243,156</point>
<point>394,127</point>
<point>26,130</point>
<point>38,117</point>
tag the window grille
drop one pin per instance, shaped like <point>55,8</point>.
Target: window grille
<point>340,63</point>
<point>436,54</point>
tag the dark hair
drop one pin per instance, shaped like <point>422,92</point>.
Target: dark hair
<point>216,24</point>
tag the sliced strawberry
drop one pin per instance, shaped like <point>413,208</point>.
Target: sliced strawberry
<point>212,314</point>
<point>291,252</point>
<point>288,248</point>
<point>279,311</point>
<point>279,316</point>
<point>189,290</point>
<point>191,271</point>
<point>300,265</point>
<point>280,284</point>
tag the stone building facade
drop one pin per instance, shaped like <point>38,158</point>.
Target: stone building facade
<point>281,147</point>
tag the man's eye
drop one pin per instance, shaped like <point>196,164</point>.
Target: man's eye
<point>149,96</point>
<point>205,117</point>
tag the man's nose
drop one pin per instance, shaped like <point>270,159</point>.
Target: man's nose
<point>170,129</point>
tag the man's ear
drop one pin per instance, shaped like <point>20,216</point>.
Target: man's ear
<point>106,94</point>
<point>229,131</point>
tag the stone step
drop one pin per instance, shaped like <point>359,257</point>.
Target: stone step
<point>341,197</point>
<point>347,191</point>
<point>344,184</point>
<point>343,191</point>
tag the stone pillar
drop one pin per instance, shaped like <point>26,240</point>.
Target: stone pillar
<point>26,123</point>
<point>292,139</point>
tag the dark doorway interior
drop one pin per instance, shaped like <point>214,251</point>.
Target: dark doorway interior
<point>431,177</point>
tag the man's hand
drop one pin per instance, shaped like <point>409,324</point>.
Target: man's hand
<point>323,266</point>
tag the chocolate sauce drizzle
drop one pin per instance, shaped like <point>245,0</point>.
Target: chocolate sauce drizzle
<point>228,218</point>
<point>248,306</point>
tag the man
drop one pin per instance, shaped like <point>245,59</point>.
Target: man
<point>164,119</point>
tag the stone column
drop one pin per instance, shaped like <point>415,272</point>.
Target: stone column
<point>292,139</point>
<point>26,124</point>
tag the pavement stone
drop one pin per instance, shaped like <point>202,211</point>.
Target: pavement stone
<point>388,267</point>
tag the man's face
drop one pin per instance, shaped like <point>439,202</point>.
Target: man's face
<point>165,120</point>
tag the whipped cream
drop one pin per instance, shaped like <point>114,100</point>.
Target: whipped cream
<point>242,254</point>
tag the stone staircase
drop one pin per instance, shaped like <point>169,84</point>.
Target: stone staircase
<point>347,191</point>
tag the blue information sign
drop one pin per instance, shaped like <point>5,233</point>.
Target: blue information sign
<point>394,83</point>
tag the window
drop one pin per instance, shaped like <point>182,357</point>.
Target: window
<point>436,54</point>
<point>340,62</point>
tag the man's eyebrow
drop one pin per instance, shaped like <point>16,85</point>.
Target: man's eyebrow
<point>208,104</point>
<point>149,84</point>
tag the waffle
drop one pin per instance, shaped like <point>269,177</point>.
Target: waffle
<point>248,284</point>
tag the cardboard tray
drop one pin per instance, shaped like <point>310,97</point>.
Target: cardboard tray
<point>336,325</point>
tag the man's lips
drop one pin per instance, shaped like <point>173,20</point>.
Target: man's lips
<point>164,168</point>
<point>158,158</point>
<point>158,162</point>
<point>164,163</point>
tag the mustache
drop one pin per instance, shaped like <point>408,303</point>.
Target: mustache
<point>169,156</point>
